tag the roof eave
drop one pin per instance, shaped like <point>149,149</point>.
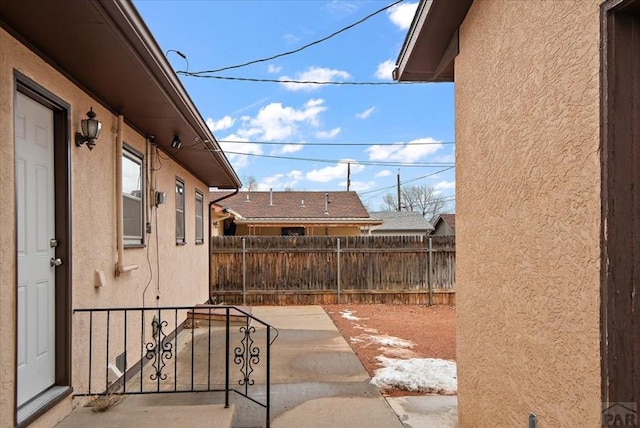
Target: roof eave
<point>153,56</point>
<point>431,44</point>
<point>144,89</point>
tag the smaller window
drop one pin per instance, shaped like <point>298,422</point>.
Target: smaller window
<point>132,198</point>
<point>199,217</point>
<point>180,239</point>
<point>293,231</point>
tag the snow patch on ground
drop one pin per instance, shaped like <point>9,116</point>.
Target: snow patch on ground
<point>348,315</point>
<point>403,353</point>
<point>383,340</point>
<point>366,329</point>
<point>429,375</point>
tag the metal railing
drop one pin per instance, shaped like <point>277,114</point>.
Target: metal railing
<point>204,348</point>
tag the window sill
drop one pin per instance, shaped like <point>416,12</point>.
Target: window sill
<point>199,242</point>
<point>181,242</point>
<point>134,246</point>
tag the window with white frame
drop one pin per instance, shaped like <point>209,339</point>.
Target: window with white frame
<point>132,198</point>
<point>199,217</point>
<point>180,238</point>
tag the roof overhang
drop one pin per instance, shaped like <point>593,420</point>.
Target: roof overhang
<point>431,45</point>
<point>105,48</point>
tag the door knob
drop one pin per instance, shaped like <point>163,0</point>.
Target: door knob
<point>55,262</point>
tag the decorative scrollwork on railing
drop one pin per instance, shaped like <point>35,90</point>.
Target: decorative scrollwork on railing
<point>158,351</point>
<point>246,355</point>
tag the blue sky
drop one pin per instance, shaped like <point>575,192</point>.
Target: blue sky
<point>379,129</point>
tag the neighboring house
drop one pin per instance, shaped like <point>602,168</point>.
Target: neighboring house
<point>547,191</point>
<point>289,213</point>
<point>81,228</point>
<point>399,223</point>
<point>444,225</point>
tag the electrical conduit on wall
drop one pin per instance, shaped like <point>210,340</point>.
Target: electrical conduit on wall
<point>121,267</point>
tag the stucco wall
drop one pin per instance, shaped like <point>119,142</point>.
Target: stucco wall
<point>175,275</point>
<point>528,214</point>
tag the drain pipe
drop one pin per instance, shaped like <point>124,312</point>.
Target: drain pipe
<point>120,265</point>
<point>211,296</point>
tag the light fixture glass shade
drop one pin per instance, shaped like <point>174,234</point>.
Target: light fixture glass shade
<point>91,127</point>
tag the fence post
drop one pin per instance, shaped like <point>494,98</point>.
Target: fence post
<point>338,255</point>
<point>244,272</point>
<point>429,274</point>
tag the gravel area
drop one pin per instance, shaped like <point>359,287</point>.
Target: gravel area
<point>396,331</point>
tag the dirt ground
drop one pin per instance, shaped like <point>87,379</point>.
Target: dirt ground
<point>430,329</point>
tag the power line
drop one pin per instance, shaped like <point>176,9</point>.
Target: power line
<point>302,82</point>
<point>407,181</point>
<point>449,165</point>
<point>196,74</point>
<point>280,143</point>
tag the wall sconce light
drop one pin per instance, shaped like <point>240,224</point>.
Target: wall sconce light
<point>91,128</point>
<point>176,143</point>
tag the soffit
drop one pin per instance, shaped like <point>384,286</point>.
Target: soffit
<point>107,50</point>
<point>431,42</point>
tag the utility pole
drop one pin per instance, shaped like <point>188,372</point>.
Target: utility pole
<point>399,201</point>
<point>348,175</point>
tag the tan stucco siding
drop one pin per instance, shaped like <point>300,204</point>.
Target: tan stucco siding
<point>177,275</point>
<point>528,214</point>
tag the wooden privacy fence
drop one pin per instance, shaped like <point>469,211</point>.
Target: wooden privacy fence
<point>279,270</point>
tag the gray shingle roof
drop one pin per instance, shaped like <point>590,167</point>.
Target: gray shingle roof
<point>403,220</point>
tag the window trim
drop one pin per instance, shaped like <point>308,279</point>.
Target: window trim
<point>180,240</point>
<point>137,157</point>
<point>199,240</point>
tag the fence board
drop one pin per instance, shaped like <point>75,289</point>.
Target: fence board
<point>282,270</point>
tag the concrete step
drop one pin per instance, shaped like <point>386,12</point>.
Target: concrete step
<point>203,314</point>
<point>141,412</point>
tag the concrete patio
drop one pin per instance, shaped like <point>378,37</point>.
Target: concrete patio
<point>316,381</point>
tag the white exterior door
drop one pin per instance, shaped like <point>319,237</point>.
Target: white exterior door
<point>35,205</point>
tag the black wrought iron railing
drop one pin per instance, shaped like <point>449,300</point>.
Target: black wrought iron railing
<point>204,348</point>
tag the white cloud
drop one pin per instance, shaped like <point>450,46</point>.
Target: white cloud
<point>219,125</point>
<point>277,122</point>
<point>281,181</point>
<point>330,173</point>
<point>239,161</point>
<point>250,106</point>
<point>296,175</point>
<point>402,14</point>
<point>445,185</point>
<point>450,158</point>
<point>385,173</point>
<point>385,70</point>
<point>328,134</point>
<point>289,148</point>
<point>410,152</point>
<point>358,186</point>
<point>447,158</point>
<point>341,8</point>
<point>365,114</point>
<point>290,38</point>
<point>314,74</point>
<point>274,68</point>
